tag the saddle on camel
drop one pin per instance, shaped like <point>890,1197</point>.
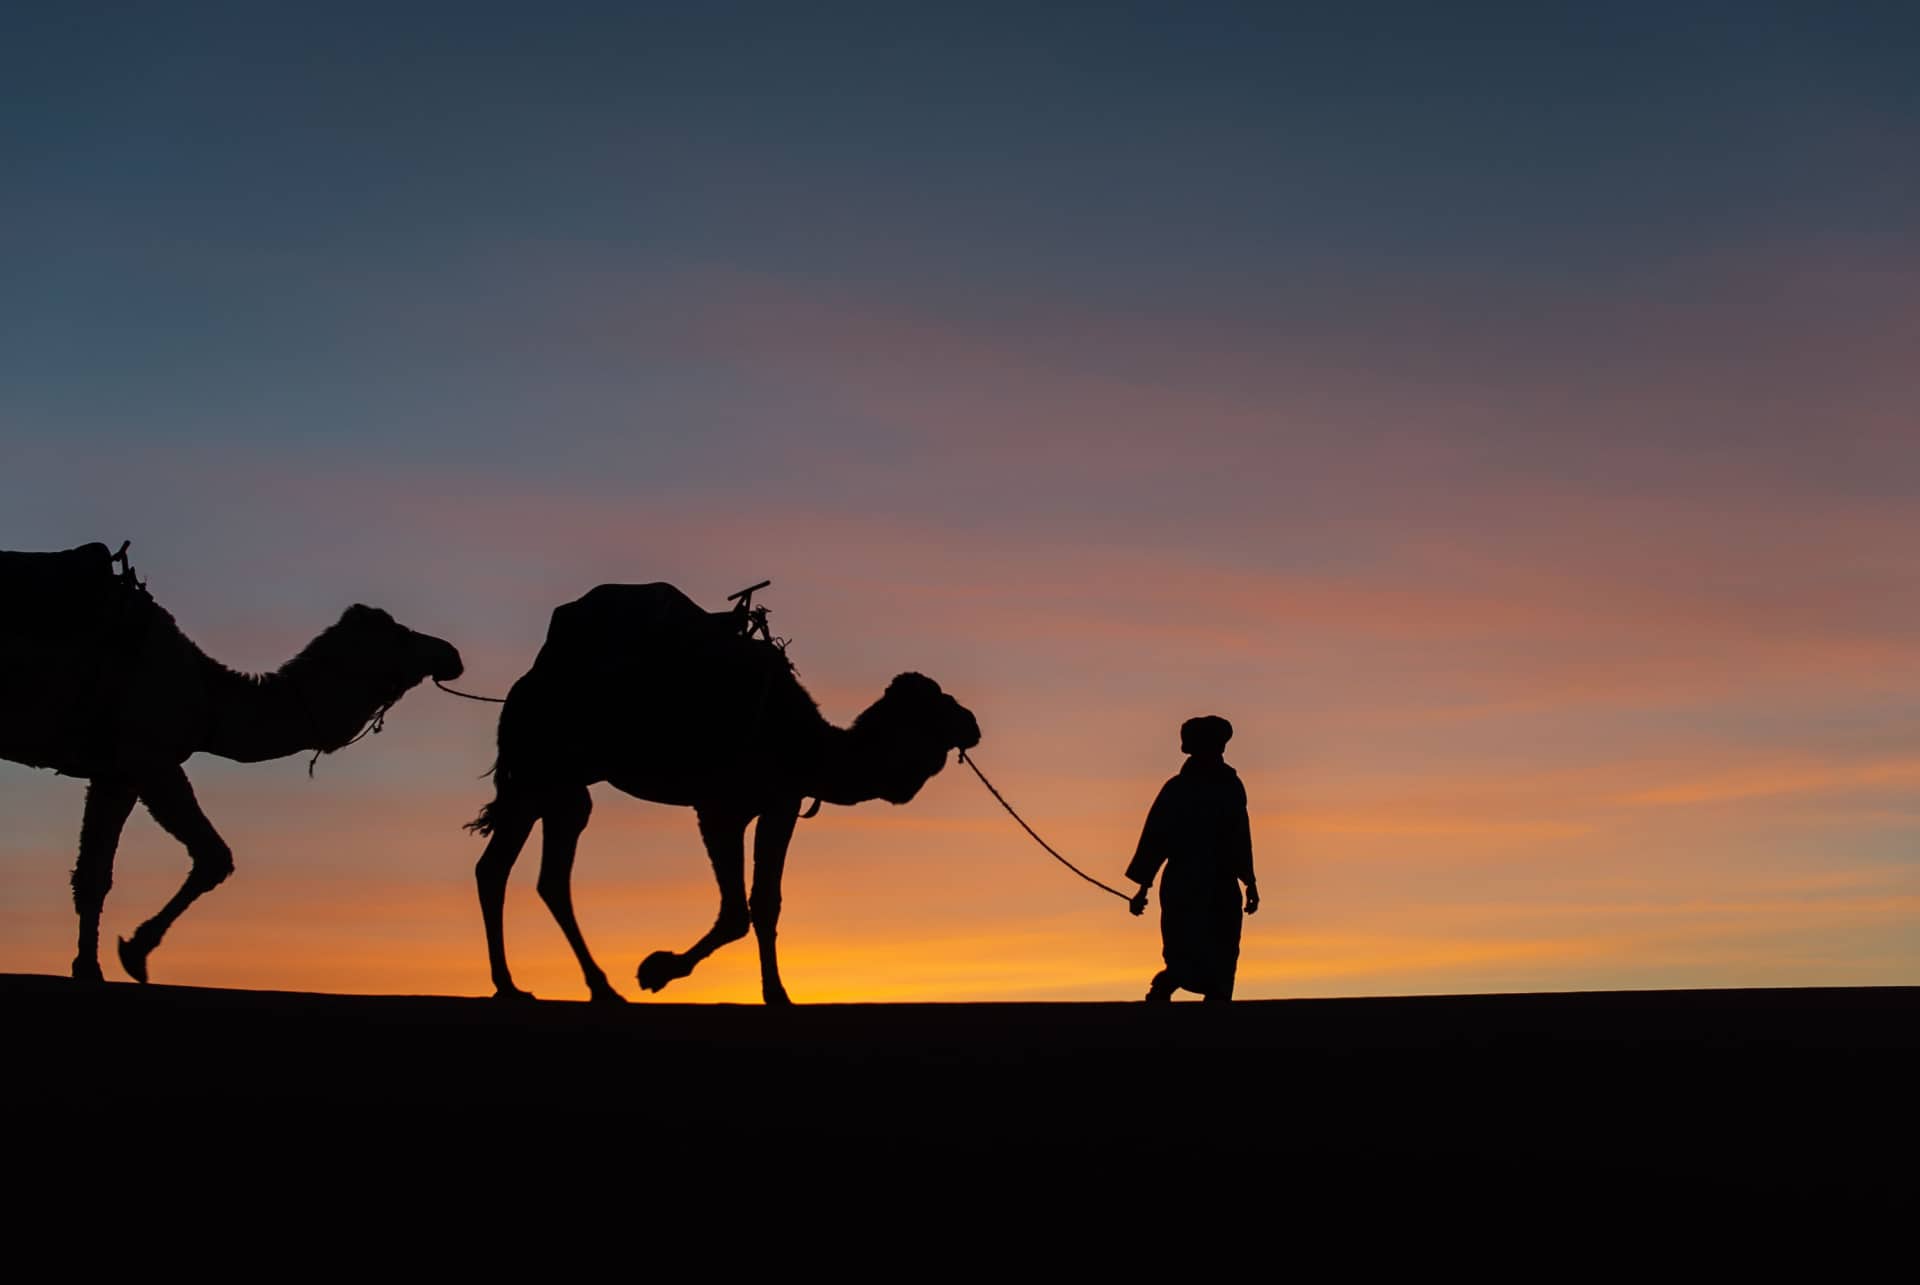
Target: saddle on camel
<point>77,626</point>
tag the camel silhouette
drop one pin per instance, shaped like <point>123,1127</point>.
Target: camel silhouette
<point>639,687</point>
<point>97,681</point>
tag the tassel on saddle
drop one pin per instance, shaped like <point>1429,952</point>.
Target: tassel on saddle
<point>750,622</point>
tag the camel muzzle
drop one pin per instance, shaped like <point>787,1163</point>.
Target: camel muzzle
<point>446,665</point>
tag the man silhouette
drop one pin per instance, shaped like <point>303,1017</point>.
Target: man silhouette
<point>1197,828</point>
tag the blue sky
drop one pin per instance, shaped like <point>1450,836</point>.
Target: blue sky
<point>1504,412</point>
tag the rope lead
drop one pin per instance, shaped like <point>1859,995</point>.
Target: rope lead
<point>1001,799</point>
<point>374,726</point>
<point>491,700</point>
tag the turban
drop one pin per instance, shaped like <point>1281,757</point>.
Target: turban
<point>1207,734</point>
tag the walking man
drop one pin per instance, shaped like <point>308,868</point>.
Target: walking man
<point>1197,828</point>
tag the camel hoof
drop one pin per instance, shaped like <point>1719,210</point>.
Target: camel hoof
<point>134,960</point>
<point>86,971</point>
<point>659,968</point>
<point>606,995</point>
<point>511,993</point>
<point>776,998</point>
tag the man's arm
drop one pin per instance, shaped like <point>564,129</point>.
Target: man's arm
<point>1151,852</point>
<point>1243,853</point>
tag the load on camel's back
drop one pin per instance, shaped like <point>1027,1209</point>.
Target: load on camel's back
<point>97,681</point>
<point>74,632</point>
<point>639,687</point>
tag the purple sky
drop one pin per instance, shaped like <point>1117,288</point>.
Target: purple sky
<point>1506,415</point>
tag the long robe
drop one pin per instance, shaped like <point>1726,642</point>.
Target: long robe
<point>1197,828</point>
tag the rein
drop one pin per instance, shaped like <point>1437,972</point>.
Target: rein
<point>374,725</point>
<point>491,700</point>
<point>1001,799</point>
<point>379,719</point>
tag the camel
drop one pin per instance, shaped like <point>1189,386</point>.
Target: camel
<point>98,682</point>
<point>639,687</point>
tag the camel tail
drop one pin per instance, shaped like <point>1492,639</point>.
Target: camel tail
<point>483,824</point>
<point>519,739</point>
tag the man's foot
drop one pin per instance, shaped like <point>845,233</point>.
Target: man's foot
<point>1160,991</point>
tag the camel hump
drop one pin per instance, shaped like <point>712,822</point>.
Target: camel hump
<point>624,617</point>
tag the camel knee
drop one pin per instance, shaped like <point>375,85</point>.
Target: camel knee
<point>733,923</point>
<point>212,863</point>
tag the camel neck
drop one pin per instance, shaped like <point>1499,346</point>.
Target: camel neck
<point>843,767</point>
<point>254,719</point>
<point>859,764</point>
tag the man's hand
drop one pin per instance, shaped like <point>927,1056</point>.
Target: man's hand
<point>1253,898</point>
<point>1139,903</point>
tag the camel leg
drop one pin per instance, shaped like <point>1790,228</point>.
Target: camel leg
<point>169,798</point>
<point>561,821</point>
<point>726,840</point>
<point>512,823</point>
<point>109,803</point>
<point>770,839</point>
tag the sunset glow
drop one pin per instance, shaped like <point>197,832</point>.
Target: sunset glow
<point>1536,487</point>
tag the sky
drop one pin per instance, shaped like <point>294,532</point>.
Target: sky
<point>1506,414</point>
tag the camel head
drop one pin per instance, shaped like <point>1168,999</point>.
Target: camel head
<point>380,656</point>
<point>904,738</point>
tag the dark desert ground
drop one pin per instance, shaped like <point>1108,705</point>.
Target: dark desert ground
<point>1504,415</point>
<point>1603,1103</point>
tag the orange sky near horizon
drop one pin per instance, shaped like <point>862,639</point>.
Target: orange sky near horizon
<point>1507,417</point>
<point>1582,787</point>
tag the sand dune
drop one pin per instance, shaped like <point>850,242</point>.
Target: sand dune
<point>1473,1102</point>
